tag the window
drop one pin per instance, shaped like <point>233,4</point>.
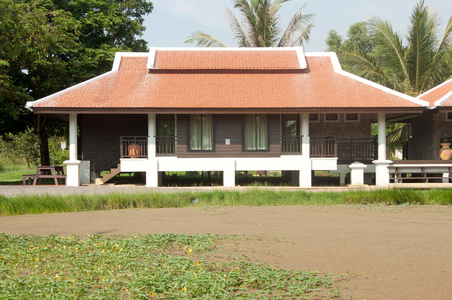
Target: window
<point>331,117</point>
<point>448,116</point>
<point>166,125</point>
<point>289,125</point>
<point>352,117</point>
<point>256,132</point>
<point>166,134</point>
<point>314,118</point>
<point>201,132</point>
<point>290,130</point>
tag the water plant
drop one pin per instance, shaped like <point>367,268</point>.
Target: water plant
<point>158,266</point>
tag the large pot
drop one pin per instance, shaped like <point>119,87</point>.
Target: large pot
<point>445,152</point>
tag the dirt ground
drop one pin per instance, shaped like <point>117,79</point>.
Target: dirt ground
<point>390,252</point>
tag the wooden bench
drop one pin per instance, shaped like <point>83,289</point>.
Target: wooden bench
<point>28,179</point>
<point>55,177</point>
<point>400,174</point>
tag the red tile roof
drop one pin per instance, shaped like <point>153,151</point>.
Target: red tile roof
<point>226,60</point>
<point>222,80</point>
<point>441,92</point>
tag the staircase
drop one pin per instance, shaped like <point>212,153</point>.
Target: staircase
<point>107,176</point>
<point>107,162</point>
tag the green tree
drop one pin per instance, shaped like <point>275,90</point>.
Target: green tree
<point>260,26</point>
<point>411,66</point>
<point>23,145</point>
<point>420,64</point>
<point>49,45</point>
<point>334,41</point>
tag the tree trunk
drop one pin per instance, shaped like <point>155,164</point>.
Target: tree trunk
<point>43,137</point>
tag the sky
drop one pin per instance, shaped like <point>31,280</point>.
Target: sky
<point>173,21</point>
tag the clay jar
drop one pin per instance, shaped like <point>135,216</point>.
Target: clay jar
<point>445,152</point>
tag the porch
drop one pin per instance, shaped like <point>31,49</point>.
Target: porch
<point>227,148</point>
<point>345,150</point>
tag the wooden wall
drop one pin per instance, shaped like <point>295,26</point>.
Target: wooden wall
<point>101,133</point>
<point>228,127</point>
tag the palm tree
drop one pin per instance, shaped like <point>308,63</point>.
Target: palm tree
<point>421,64</point>
<point>260,26</point>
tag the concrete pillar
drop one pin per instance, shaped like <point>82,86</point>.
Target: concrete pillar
<point>305,177</point>
<point>381,136</point>
<point>342,178</point>
<point>304,132</point>
<point>152,178</point>
<point>445,178</point>
<point>152,132</point>
<point>357,173</point>
<point>382,164</point>
<point>229,173</point>
<point>73,164</point>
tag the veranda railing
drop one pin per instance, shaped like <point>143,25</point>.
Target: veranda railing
<point>323,146</point>
<point>166,145</point>
<point>356,149</point>
<point>134,147</point>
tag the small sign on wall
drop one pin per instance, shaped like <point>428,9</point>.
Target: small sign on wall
<point>227,142</point>
<point>63,145</point>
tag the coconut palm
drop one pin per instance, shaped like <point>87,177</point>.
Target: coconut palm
<point>421,63</point>
<point>259,26</point>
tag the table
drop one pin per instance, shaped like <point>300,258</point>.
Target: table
<point>44,172</point>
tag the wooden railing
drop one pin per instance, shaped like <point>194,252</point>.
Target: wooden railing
<point>166,145</point>
<point>291,144</point>
<point>356,150</point>
<point>134,147</point>
<point>323,146</point>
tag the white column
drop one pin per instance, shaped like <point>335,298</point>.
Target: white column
<point>305,177</point>
<point>382,164</point>
<point>381,136</point>
<point>229,173</point>
<point>152,179</point>
<point>73,164</point>
<point>304,132</point>
<point>152,132</point>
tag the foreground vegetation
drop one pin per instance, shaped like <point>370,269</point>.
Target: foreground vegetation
<point>38,204</point>
<point>168,266</point>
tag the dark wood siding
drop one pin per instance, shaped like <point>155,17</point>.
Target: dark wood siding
<point>228,127</point>
<point>100,133</point>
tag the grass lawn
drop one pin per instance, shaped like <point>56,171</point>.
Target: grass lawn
<point>11,173</point>
<point>158,266</point>
<point>32,204</point>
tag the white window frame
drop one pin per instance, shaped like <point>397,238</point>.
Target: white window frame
<point>338,119</point>
<point>314,121</point>
<point>352,121</point>
<point>448,119</point>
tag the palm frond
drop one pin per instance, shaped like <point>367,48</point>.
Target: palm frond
<point>202,39</point>
<point>389,43</point>
<point>248,21</point>
<point>303,36</point>
<point>365,66</point>
<point>237,29</point>
<point>396,138</point>
<point>300,25</point>
<point>440,67</point>
<point>422,43</point>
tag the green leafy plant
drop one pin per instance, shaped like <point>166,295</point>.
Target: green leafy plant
<point>158,266</point>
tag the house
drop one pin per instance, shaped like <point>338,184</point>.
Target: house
<point>433,125</point>
<point>227,110</point>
